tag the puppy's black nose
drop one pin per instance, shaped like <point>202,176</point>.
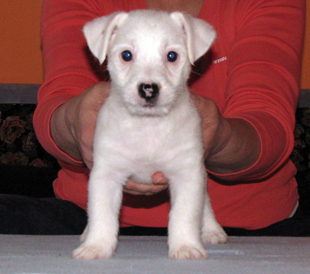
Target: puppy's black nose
<point>149,92</point>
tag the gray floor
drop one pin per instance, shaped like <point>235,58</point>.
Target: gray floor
<point>52,254</point>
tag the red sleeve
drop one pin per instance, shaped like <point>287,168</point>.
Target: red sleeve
<point>67,67</point>
<point>264,63</point>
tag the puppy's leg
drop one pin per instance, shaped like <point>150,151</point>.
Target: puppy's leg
<point>187,197</point>
<point>83,236</point>
<point>100,236</point>
<point>212,232</point>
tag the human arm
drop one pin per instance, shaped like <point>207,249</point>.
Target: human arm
<point>263,51</point>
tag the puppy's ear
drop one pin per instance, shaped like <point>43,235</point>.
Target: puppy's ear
<point>199,34</point>
<point>98,33</point>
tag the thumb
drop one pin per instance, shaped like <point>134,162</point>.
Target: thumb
<point>159,178</point>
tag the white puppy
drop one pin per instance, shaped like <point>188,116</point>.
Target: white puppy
<point>149,124</point>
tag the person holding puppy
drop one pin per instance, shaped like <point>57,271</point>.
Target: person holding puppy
<point>245,89</point>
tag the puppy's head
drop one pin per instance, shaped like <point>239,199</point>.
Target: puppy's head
<point>149,55</point>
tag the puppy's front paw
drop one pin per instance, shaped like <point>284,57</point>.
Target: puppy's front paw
<point>216,236</point>
<point>93,252</point>
<point>188,253</point>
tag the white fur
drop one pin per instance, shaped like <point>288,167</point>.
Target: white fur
<point>135,140</point>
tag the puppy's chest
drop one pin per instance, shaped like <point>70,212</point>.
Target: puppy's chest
<point>144,145</point>
<point>149,148</point>
<point>147,139</point>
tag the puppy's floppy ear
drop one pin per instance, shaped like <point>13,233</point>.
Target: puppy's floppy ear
<point>98,33</point>
<point>199,34</point>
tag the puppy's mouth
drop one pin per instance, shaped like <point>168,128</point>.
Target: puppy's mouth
<point>148,109</point>
<point>150,105</point>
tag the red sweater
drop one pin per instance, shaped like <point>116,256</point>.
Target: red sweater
<point>253,73</point>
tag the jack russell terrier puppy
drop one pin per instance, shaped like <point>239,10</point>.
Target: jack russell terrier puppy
<point>148,124</point>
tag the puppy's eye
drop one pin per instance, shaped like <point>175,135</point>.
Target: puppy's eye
<point>126,55</point>
<point>172,56</point>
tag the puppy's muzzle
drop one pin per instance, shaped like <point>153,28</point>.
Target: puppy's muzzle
<point>150,93</point>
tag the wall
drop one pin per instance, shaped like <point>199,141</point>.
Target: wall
<point>20,47</point>
<point>20,50</point>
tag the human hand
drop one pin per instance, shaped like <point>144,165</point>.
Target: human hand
<point>230,144</point>
<point>73,123</point>
<point>160,183</point>
<point>211,119</point>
